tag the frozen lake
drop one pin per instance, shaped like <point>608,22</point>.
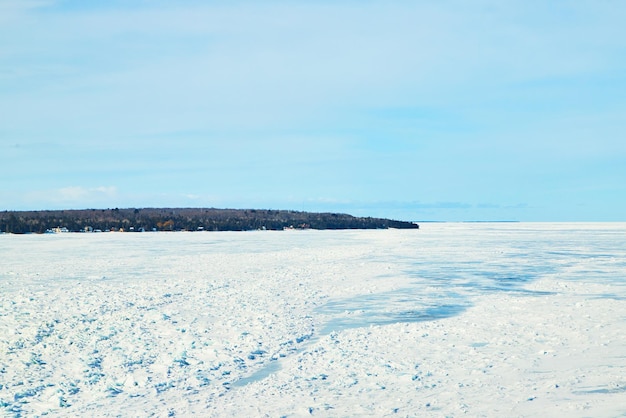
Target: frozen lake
<point>483,319</point>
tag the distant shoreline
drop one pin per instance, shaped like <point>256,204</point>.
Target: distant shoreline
<point>469,222</point>
<point>184,219</point>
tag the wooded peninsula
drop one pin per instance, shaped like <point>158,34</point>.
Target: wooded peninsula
<point>184,219</point>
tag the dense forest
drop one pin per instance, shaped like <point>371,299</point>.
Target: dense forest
<point>183,219</point>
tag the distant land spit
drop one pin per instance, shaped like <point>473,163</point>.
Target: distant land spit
<point>184,219</point>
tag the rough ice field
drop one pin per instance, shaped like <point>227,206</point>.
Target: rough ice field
<point>449,320</point>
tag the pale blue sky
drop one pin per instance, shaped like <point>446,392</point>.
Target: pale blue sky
<point>416,110</point>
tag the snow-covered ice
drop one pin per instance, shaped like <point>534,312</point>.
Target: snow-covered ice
<point>486,319</point>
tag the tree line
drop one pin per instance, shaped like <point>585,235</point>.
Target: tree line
<point>184,219</point>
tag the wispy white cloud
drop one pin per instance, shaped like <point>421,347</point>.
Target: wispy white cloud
<point>76,193</point>
<point>70,197</point>
<point>12,10</point>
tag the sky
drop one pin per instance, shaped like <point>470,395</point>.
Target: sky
<point>414,110</point>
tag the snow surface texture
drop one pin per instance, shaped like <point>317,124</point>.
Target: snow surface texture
<point>448,320</point>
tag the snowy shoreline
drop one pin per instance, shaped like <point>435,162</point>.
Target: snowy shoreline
<point>497,320</point>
